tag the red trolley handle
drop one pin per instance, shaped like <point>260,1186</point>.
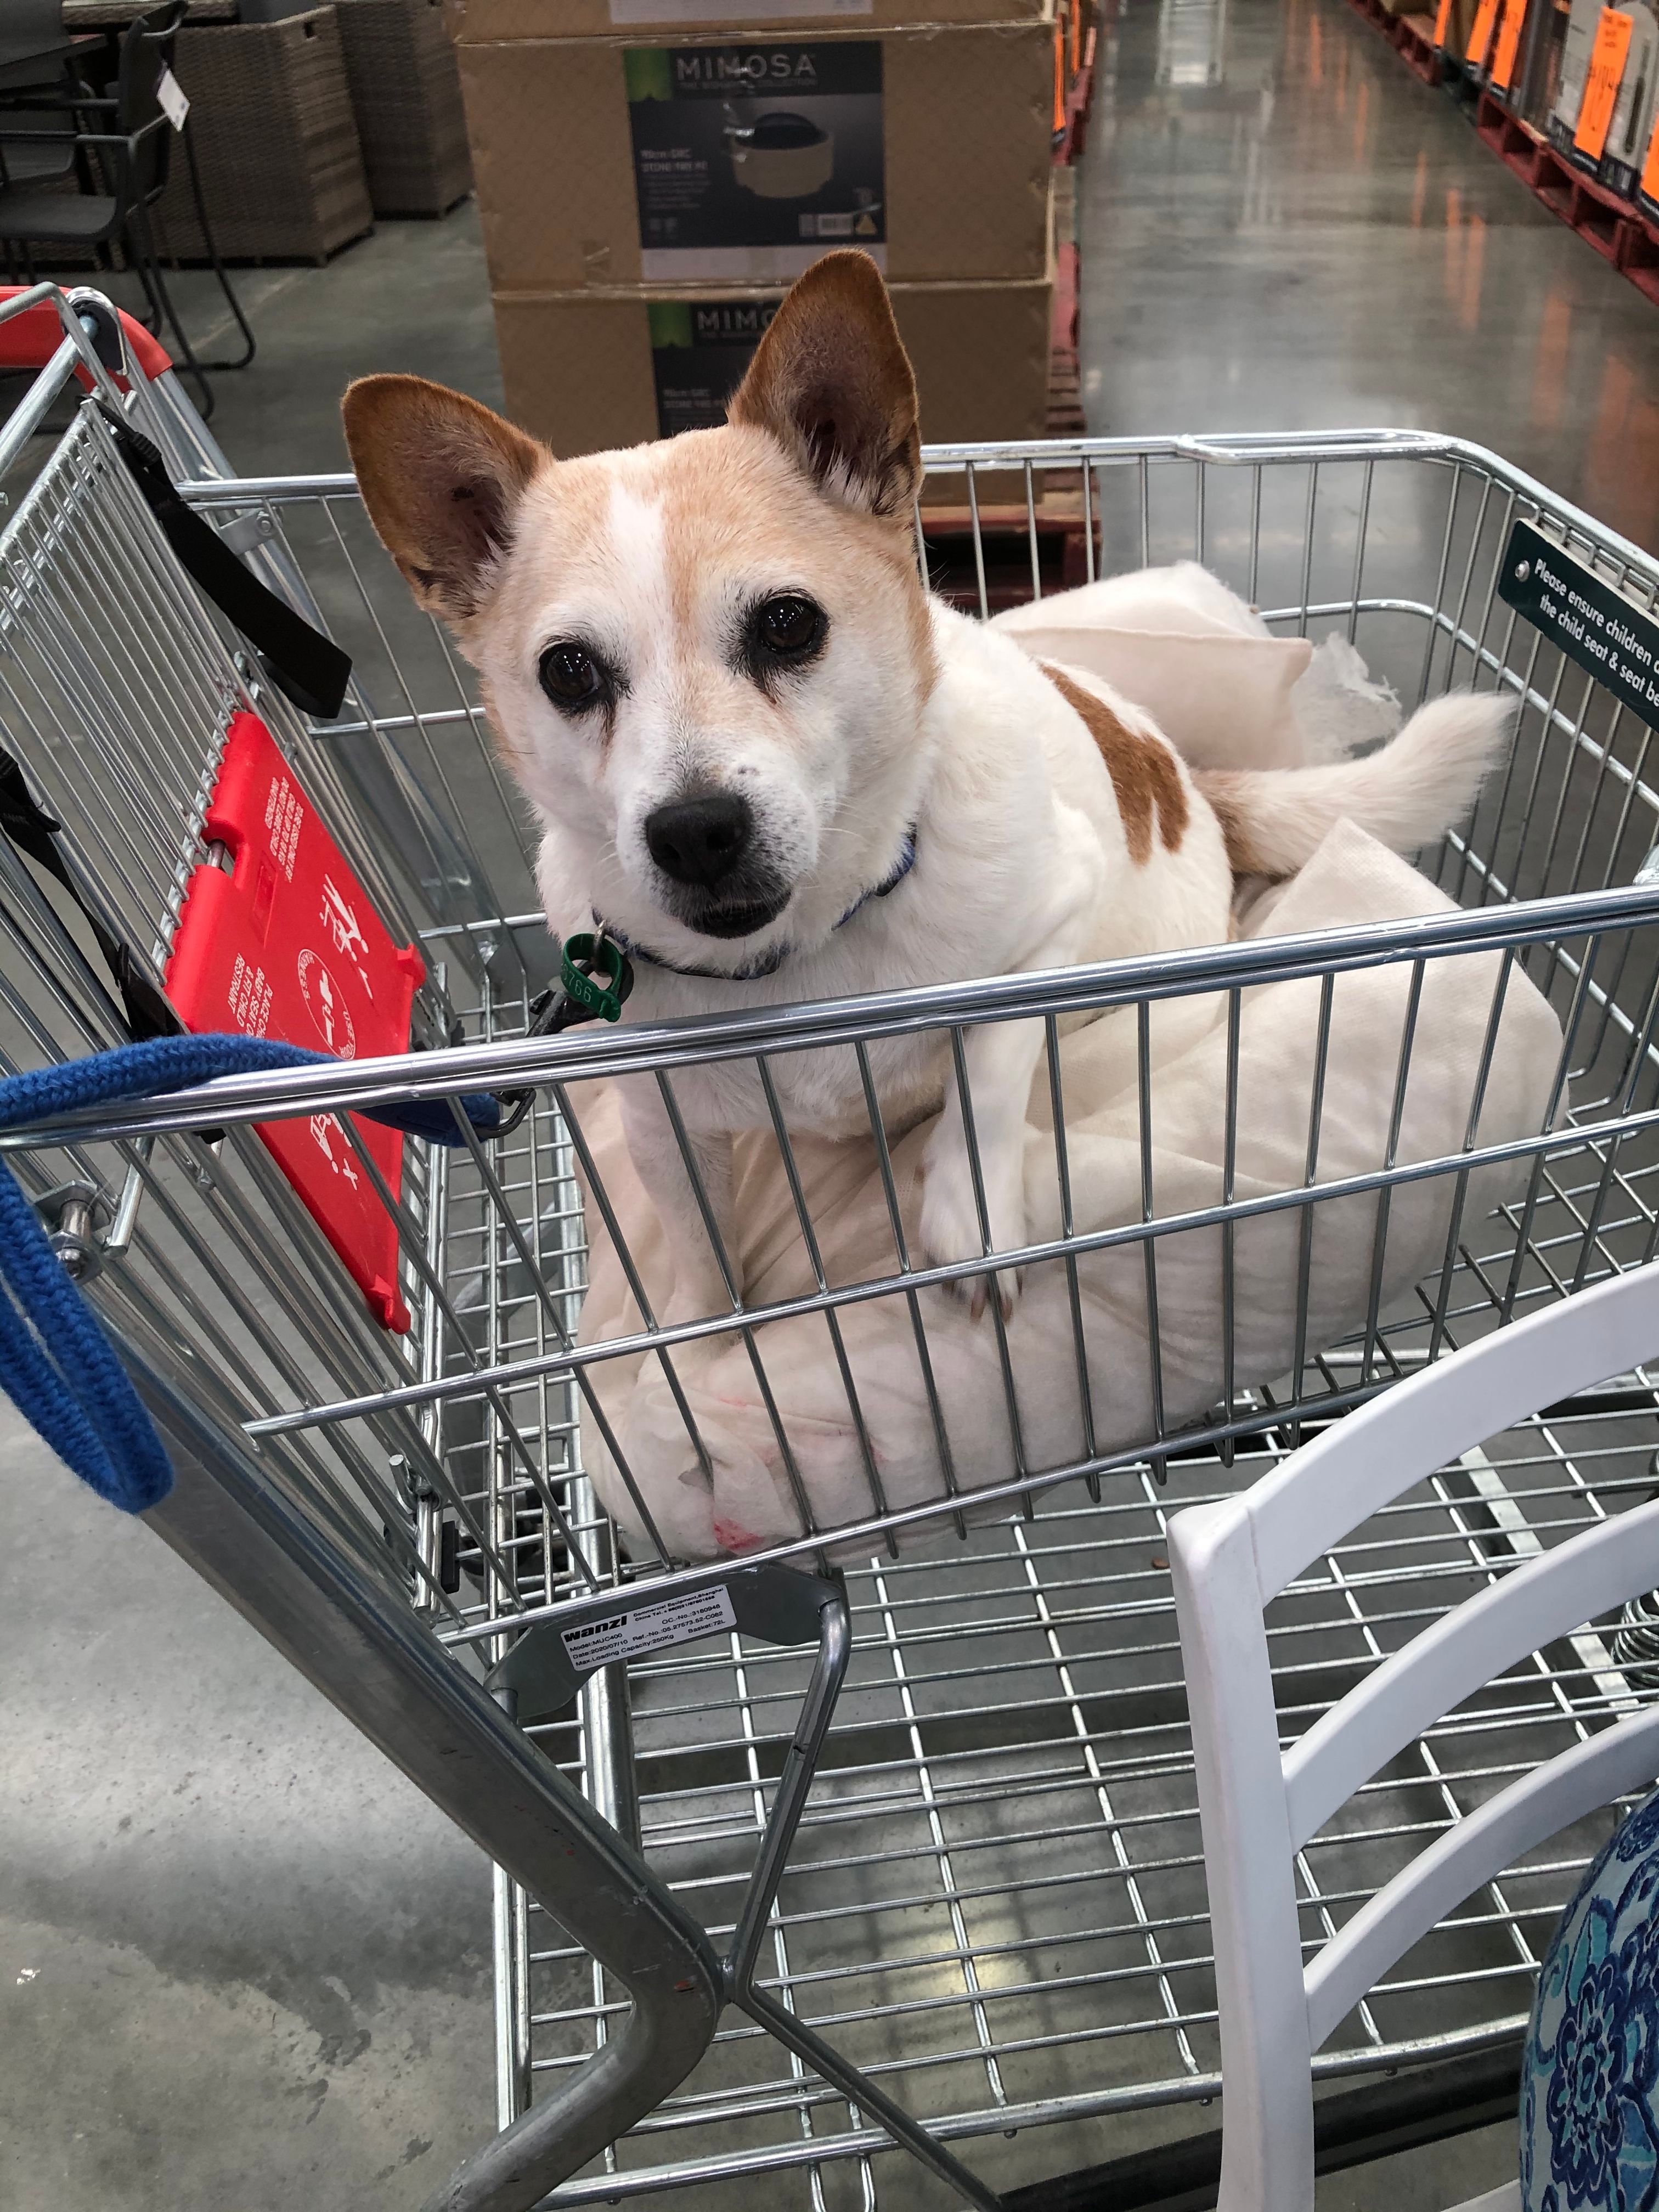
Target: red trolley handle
<point>30,339</point>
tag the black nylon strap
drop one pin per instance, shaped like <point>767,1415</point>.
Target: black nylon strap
<point>553,1010</point>
<point>34,832</point>
<point>308,667</point>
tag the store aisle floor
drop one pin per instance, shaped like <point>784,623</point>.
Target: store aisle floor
<point>1282,229</point>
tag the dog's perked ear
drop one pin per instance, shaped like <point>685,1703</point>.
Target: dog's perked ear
<point>832,382</point>
<point>441,477</point>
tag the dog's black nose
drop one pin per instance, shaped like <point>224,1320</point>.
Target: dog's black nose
<point>700,840</point>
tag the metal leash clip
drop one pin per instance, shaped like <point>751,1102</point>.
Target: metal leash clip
<point>595,978</point>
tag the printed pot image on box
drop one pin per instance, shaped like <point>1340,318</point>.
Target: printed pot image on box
<point>749,161</point>
<point>781,157</point>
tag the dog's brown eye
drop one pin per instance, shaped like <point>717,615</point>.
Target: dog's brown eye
<point>790,626</point>
<point>571,677</point>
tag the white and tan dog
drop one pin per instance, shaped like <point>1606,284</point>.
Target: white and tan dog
<point>777,770</point>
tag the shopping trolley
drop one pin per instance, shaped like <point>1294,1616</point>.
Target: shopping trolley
<point>865,1869</point>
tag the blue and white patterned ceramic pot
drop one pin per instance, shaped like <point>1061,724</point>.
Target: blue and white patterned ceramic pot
<point>1590,2077</point>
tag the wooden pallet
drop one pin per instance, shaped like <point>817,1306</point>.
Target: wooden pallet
<point>1624,232</point>
<point>1005,534</point>
<point>1411,38</point>
<point>1079,99</point>
<point>1516,144</point>
<point>1065,378</point>
<point>1641,255</point>
<point>1621,231</point>
<point>1006,529</point>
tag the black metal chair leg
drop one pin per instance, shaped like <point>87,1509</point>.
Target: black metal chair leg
<point>151,317</point>
<point>231,300</point>
<point>139,232</point>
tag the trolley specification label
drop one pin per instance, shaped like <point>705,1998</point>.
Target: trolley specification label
<point>1592,624</point>
<point>652,1628</point>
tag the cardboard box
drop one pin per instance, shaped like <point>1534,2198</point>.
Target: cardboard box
<point>473,22</point>
<point>592,369</point>
<point>1456,29</point>
<point>1631,125</point>
<point>1582,26</point>
<point>1648,186</point>
<point>929,148</point>
<point>1543,51</point>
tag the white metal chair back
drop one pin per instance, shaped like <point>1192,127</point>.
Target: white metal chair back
<point>1260,1805</point>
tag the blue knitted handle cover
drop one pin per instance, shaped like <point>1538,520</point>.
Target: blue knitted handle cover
<point>57,1366</point>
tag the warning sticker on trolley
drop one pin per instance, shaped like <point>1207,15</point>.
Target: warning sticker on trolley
<point>1591,622</point>
<point>652,1628</point>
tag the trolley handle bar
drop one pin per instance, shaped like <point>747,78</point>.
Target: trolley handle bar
<point>30,336</point>
<point>510,1063</point>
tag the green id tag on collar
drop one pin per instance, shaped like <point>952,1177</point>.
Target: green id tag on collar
<point>604,999</point>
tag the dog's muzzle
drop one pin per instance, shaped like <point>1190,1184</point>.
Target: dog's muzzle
<point>701,841</point>
<point>723,885</point>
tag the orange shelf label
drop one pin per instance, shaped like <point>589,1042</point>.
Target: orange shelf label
<point>1443,17</point>
<point>1606,68</point>
<point>1509,44</point>
<point>1481,36</point>
<point>1650,174</point>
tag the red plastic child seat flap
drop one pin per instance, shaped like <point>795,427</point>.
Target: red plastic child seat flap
<point>286,944</point>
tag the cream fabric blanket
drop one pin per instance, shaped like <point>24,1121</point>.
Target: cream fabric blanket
<point>1351,880</point>
<point>1223,688</point>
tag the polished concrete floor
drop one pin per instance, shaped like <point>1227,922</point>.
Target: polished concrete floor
<point>241,1963</point>
<point>1282,229</point>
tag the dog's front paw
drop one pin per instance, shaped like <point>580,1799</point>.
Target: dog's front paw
<point>699,1295</point>
<point>950,1213</point>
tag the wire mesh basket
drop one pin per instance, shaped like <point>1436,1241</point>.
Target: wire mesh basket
<point>912,1781</point>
